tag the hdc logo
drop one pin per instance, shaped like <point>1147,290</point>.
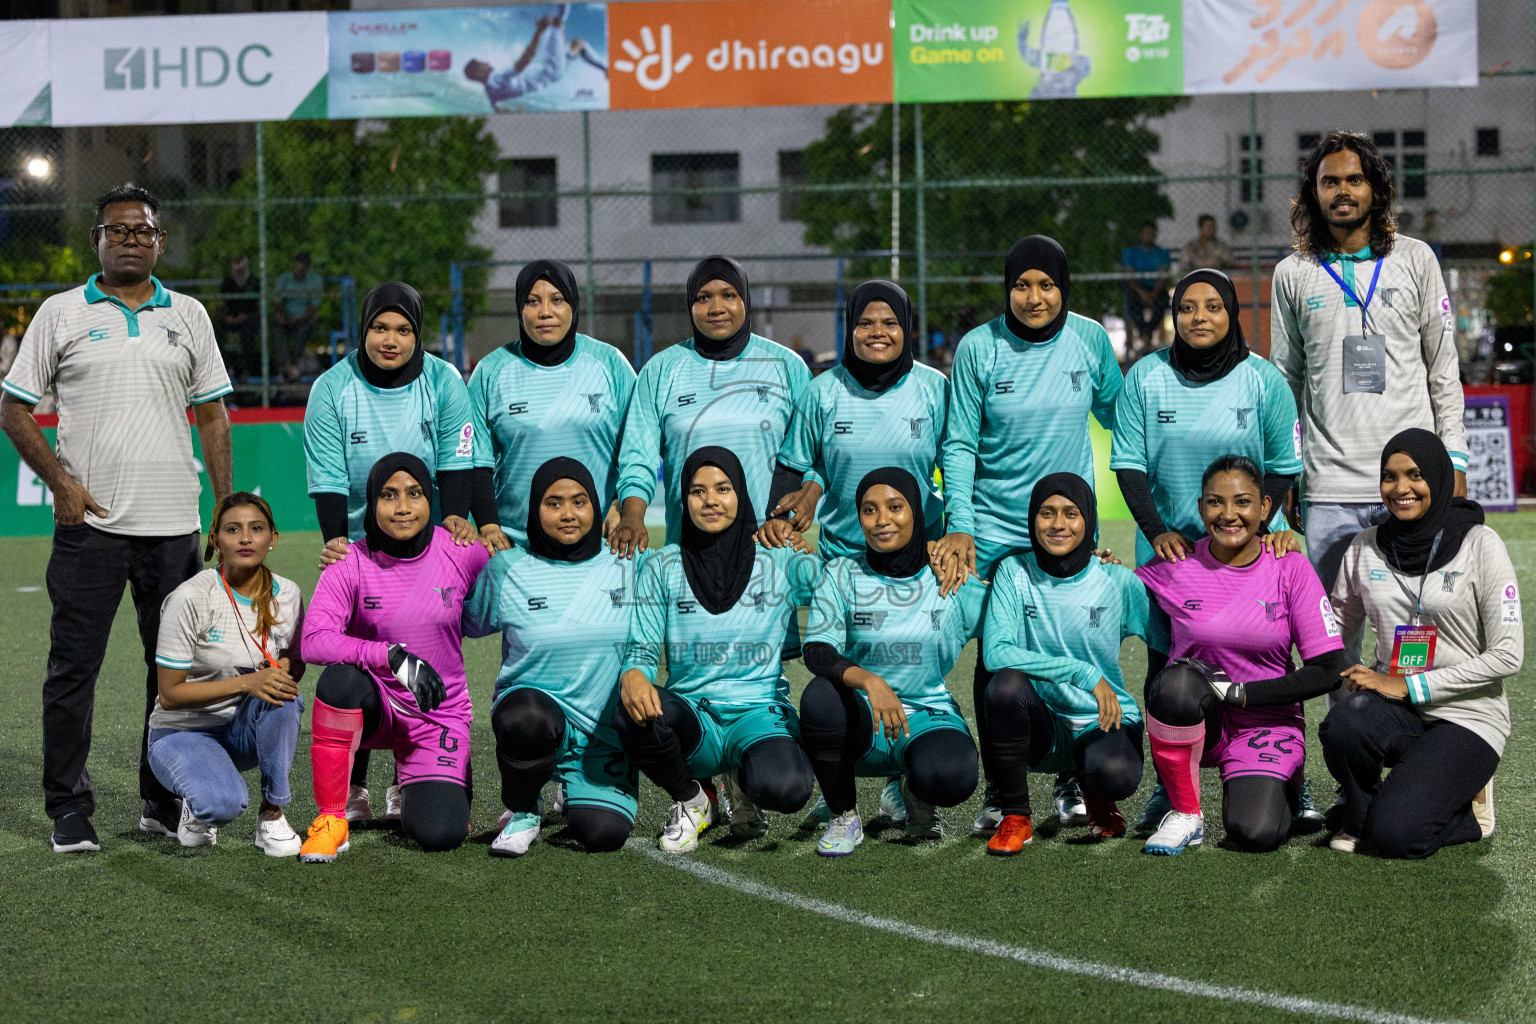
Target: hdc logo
<point>206,68</point>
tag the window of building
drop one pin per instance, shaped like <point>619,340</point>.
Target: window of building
<point>1405,157</point>
<point>675,175</point>
<point>537,205</point>
<point>791,172</point>
<point>1487,142</point>
<point>1251,144</point>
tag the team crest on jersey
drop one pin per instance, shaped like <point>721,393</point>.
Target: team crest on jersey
<point>616,595</point>
<point>762,392</point>
<point>759,601</point>
<point>426,430</point>
<point>916,423</point>
<point>172,337</point>
<point>593,399</point>
<point>936,616</point>
<point>1448,580</point>
<point>446,593</point>
<point>1076,377</point>
<point>1242,415</point>
<point>1389,296</point>
<point>1272,609</point>
<point>1095,614</point>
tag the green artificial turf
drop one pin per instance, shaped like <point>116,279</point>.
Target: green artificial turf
<point>147,931</point>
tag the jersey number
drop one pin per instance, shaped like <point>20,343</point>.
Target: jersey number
<point>1279,746</point>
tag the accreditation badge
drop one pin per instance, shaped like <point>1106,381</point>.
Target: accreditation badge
<point>1413,649</point>
<point>1365,364</point>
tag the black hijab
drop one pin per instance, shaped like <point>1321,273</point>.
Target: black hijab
<point>911,558</point>
<point>541,543</point>
<point>1037,252</point>
<point>1406,544</point>
<point>1199,365</point>
<point>878,376</point>
<point>392,297</point>
<point>378,476</point>
<point>559,275</point>
<point>1076,490</point>
<point>720,268</point>
<point>719,565</point>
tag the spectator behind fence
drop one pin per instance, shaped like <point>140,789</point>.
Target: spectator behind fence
<point>240,320</point>
<point>1146,295</point>
<point>1205,251</point>
<point>124,482</point>
<point>296,304</point>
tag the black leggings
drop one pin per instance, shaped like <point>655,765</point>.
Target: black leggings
<point>436,813</point>
<point>774,773</point>
<point>1436,768</point>
<point>529,727</point>
<point>836,729</point>
<point>1022,731</point>
<point>1256,810</point>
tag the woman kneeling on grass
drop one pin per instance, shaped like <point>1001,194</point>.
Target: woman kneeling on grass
<point>1441,594</point>
<point>229,670</point>
<point>387,622</point>
<point>1230,698</point>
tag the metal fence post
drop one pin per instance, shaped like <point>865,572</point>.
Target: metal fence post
<point>922,235</point>
<point>1254,206</point>
<point>896,192</point>
<point>261,264</point>
<point>842,301</point>
<point>586,195</point>
<point>456,306</point>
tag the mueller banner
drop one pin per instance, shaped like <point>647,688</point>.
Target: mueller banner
<point>25,97</point>
<point>1302,45</point>
<point>953,50</point>
<point>480,60</point>
<point>743,53</point>
<point>181,69</point>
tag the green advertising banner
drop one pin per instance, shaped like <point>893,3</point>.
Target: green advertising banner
<point>955,50</point>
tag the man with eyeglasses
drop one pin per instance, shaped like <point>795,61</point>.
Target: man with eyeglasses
<point>126,357</point>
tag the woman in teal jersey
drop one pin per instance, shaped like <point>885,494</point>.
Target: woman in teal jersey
<point>724,386</point>
<point>390,395</point>
<point>877,409</point>
<point>1057,700</point>
<point>1021,391</point>
<point>562,606</point>
<point>718,606</point>
<point>553,391</point>
<point>1182,408</point>
<point>881,640</point>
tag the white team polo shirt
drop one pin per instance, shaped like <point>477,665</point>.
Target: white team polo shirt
<point>124,378</point>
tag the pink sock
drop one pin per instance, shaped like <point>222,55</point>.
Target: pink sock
<point>1176,751</point>
<point>337,733</point>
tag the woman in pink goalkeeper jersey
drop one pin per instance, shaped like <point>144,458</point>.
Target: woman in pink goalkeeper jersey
<point>1231,697</point>
<point>387,622</point>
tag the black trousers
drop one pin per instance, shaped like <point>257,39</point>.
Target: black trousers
<point>86,575</point>
<point>1435,769</point>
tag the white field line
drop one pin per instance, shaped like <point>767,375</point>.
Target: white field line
<point>1028,957</point>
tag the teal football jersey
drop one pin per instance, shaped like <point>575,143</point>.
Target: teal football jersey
<point>534,413</point>
<point>349,425</point>
<point>841,432</point>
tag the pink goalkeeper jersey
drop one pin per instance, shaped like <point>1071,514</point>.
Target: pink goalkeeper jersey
<point>370,600</point>
<point>1245,619</point>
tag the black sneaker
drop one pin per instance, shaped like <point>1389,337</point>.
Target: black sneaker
<point>161,817</point>
<point>72,833</point>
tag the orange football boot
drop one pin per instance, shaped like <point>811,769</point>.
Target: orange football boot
<point>327,840</point>
<point>1013,833</point>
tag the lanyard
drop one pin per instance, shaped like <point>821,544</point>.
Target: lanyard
<point>1369,295</point>
<point>260,641</point>
<point>1418,600</point>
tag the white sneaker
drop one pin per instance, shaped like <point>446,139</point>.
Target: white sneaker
<point>819,814</point>
<point>893,808</point>
<point>276,838</point>
<point>1177,831</point>
<point>844,832</point>
<point>1482,809</point>
<point>559,805</point>
<point>392,803</point>
<point>518,831</point>
<point>358,806</point>
<point>191,832</point>
<point>746,818</point>
<point>922,818</point>
<point>689,818</point>
<point>1343,842</point>
<point>991,814</point>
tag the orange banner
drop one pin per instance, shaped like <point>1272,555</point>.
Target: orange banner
<point>745,53</point>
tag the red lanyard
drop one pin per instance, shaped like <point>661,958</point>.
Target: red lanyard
<point>260,640</point>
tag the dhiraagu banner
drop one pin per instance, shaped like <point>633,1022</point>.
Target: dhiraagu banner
<point>953,50</point>
<point>188,68</point>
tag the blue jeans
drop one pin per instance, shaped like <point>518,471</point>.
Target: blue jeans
<point>1330,529</point>
<point>203,766</point>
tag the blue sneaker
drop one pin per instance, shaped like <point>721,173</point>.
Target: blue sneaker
<point>1177,831</point>
<point>1155,811</point>
<point>819,814</point>
<point>844,832</point>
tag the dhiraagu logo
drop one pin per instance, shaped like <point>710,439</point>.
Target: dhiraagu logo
<point>184,67</point>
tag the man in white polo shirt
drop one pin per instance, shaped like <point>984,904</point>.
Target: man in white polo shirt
<point>126,357</point>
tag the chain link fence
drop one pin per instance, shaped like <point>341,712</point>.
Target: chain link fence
<point>811,200</point>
